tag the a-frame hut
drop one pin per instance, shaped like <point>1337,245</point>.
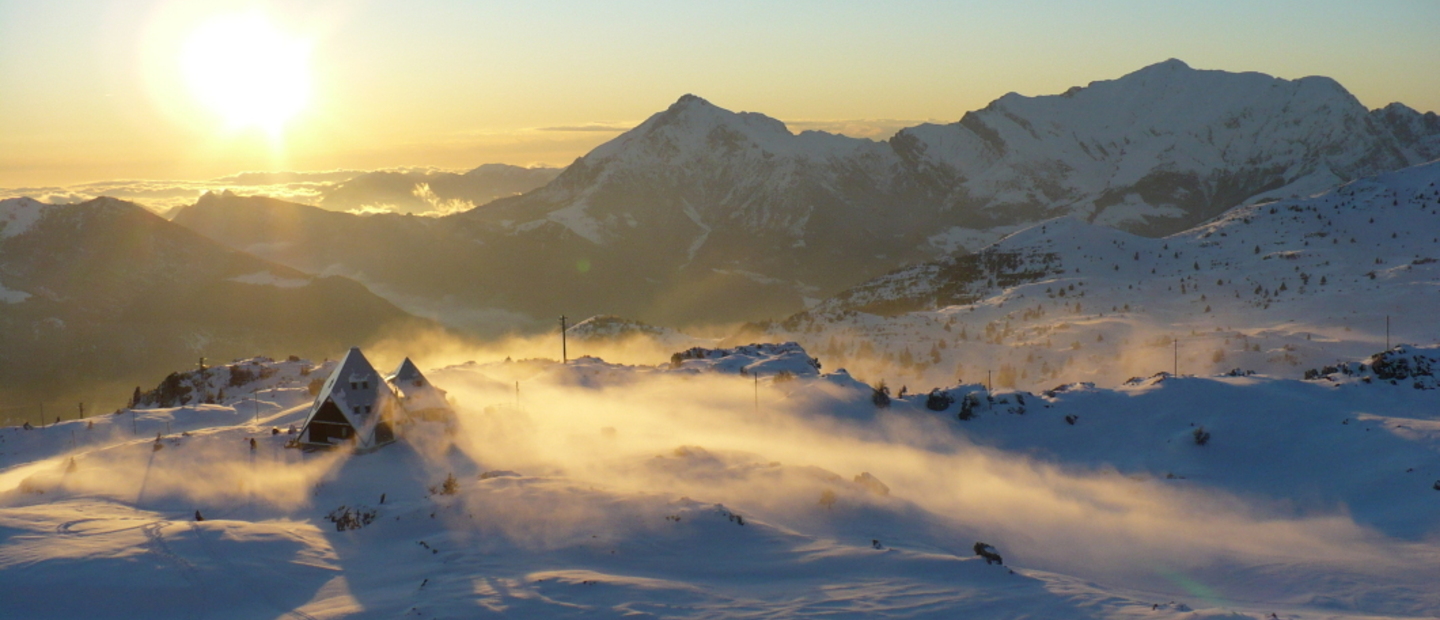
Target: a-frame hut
<point>419,398</point>
<point>355,406</point>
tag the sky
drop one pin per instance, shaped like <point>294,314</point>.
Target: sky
<point>96,90</point>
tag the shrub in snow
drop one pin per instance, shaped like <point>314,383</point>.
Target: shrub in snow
<point>172,392</point>
<point>880,395</point>
<point>1401,363</point>
<point>1201,435</point>
<point>240,375</point>
<point>449,487</point>
<point>968,405</point>
<point>347,518</point>
<point>939,401</point>
<point>989,553</point>
<point>827,499</point>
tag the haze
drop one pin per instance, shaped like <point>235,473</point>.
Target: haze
<point>98,89</point>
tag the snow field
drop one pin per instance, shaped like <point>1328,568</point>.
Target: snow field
<point>692,491</point>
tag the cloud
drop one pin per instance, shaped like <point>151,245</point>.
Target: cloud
<point>165,196</point>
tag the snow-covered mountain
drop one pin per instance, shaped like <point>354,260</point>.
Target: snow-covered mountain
<point>1155,151</point>
<point>698,206</point>
<point>691,491</point>
<point>105,292</point>
<point>1164,148</point>
<point>1275,287</point>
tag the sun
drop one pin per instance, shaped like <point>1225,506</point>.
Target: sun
<point>248,72</point>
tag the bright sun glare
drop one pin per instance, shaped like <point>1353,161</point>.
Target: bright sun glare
<point>244,69</point>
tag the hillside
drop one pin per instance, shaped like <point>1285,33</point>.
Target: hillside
<point>698,206</point>
<point>103,295</point>
<point>697,490</point>
<point>1275,287</point>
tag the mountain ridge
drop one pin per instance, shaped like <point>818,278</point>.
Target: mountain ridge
<point>699,205</point>
<point>109,292</point>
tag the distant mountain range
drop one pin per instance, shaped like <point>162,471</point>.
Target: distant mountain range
<point>107,293</point>
<point>678,219</point>
<point>401,191</point>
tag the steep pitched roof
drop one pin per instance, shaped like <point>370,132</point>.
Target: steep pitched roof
<point>407,372</point>
<point>358,391</point>
<point>416,391</point>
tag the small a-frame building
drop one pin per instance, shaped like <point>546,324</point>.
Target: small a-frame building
<point>419,398</point>
<point>355,407</point>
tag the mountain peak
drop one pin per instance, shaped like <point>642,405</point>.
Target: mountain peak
<point>1172,64</point>
<point>688,98</point>
<point>695,126</point>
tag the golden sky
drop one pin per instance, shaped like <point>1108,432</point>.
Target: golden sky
<point>109,89</point>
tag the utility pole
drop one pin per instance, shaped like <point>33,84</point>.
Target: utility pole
<point>564,353</point>
<point>82,411</point>
<point>1176,341</point>
<point>989,383</point>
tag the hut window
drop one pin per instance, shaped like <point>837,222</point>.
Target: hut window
<point>357,408</point>
<point>354,386</point>
<point>364,385</point>
<point>367,408</point>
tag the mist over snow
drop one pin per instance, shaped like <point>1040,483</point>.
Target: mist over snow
<point>1276,287</point>
<point>741,482</point>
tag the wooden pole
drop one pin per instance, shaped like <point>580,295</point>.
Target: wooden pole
<point>564,353</point>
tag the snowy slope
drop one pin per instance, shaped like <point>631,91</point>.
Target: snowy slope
<point>660,491</point>
<point>1276,287</point>
<point>18,215</point>
<point>1170,145</point>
